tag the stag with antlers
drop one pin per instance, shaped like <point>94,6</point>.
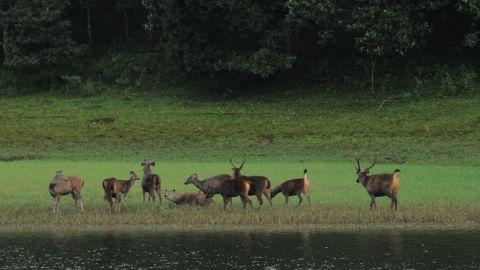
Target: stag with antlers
<point>379,185</point>
<point>259,185</point>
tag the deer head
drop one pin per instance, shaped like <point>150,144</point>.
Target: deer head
<point>170,195</point>
<point>146,166</point>
<point>362,174</point>
<point>237,170</point>
<point>133,176</point>
<point>192,179</point>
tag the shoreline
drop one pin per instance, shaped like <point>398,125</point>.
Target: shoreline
<point>241,228</point>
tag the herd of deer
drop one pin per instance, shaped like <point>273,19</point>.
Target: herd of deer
<point>228,186</point>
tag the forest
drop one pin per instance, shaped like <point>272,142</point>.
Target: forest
<point>86,47</point>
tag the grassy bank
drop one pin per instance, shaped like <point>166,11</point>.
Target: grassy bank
<point>429,195</point>
<point>434,142</point>
<point>289,126</point>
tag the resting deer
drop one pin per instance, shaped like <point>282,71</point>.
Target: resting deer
<point>151,183</point>
<point>379,185</point>
<point>212,184</point>
<point>230,189</point>
<point>259,185</point>
<point>188,198</point>
<point>61,185</point>
<point>294,187</point>
<point>115,188</point>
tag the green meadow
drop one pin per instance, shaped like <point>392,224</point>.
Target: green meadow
<point>434,142</point>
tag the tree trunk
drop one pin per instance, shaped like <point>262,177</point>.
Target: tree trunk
<point>89,28</point>
<point>372,70</point>
<point>6,54</point>
<point>125,19</point>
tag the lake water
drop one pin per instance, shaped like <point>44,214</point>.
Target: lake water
<point>390,249</point>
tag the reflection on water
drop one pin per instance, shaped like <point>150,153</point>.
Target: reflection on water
<point>395,249</point>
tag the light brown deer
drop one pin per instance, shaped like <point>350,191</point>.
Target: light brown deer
<point>151,183</point>
<point>115,188</point>
<point>294,187</point>
<point>61,185</point>
<point>259,185</point>
<point>188,198</point>
<point>379,185</point>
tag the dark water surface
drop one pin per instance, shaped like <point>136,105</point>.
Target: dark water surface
<point>390,249</point>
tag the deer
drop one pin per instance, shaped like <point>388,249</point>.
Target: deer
<point>294,187</point>
<point>379,185</point>
<point>212,184</point>
<point>230,189</point>
<point>61,185</point>
<point>188,198</point>
<point>115,188</point>
<point>151,183</point>
<point>259,185</point>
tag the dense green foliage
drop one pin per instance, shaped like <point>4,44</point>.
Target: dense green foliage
<point>372,43</point>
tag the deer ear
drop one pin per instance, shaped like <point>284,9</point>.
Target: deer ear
<point>173,190</point>
<point>143,163</point>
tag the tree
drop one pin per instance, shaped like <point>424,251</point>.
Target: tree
<point>472,9</point>
<point>36,34</point>
<point>217,36</point>
<point>153,8</point>
<point>385,28</point>
<point>87,5</point>
<point>123,6</point>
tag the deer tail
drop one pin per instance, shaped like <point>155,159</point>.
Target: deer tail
<point>396,171</point>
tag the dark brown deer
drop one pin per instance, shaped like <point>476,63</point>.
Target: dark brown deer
<point>151,183</point>
<point>61,185</point>
<point>115,188</point>
<point>259,185</point>
<point>379,185</point>
<point>212,184</point>
<point>230,189</point>
<point>188,198</point>
<point>294,187</point>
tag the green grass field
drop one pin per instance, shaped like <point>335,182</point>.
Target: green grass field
<point>435,143</point>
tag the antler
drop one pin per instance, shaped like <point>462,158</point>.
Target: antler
<point>373,164</point>
<point>241,166</point>
<point>232,163</point>
<point>358,163</point>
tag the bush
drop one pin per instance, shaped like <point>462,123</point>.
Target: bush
<point>444,81</point>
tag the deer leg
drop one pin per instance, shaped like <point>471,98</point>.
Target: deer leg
<point>118,202</point>
<point>307,194</point>
<point>300,199</point>
<point>286,199</point>
<point>225,202</point>
<point>373,203</point>
<point>54,204</point>
<point>260,200</point>
<point>74,197</point>
<point>144,197</point>
<point>81,205</point>
<point>267,194</point>
<point>396,201</point>
<point>79,200</point>
<point>159,197</point>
